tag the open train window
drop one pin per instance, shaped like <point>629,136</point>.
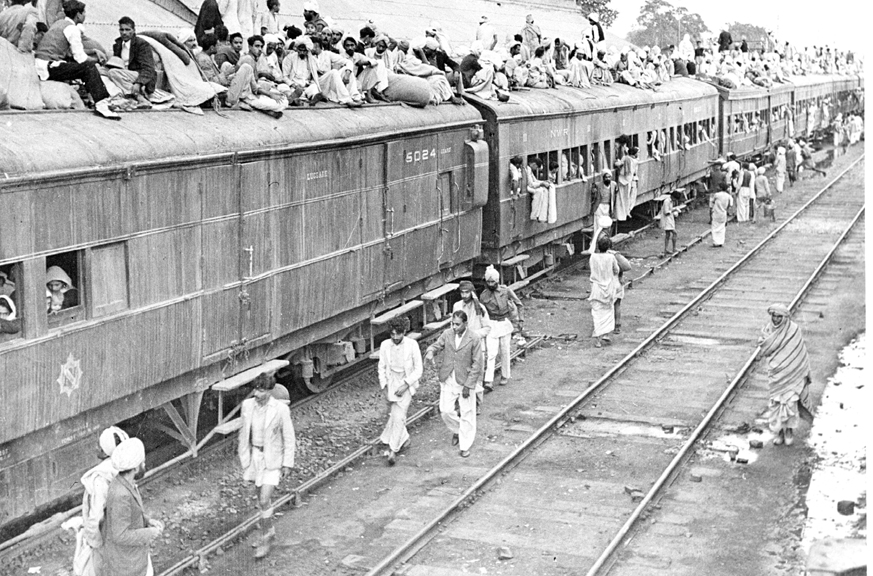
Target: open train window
<point>595,159</point>
<point>584,161</point>
<point>607,155</point>
<point>10,310</point>
<point>651,143</point>
<point>553,164</point>
<point>63,288</point>
<point>634,141</point>
<point>662,141</point>
<point>570,164</point>
<point>671,142</point>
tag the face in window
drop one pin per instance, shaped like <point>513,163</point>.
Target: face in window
<point>7,308</point>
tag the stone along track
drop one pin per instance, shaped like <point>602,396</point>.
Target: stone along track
<point>568,496</point>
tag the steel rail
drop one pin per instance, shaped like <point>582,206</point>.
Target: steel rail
<point>414,543</point>
<point>710,416</point>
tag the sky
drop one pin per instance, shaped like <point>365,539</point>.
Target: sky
<point>843,23</point>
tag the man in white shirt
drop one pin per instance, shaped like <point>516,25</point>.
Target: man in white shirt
<point>399,371</point>
<point>61,56</point>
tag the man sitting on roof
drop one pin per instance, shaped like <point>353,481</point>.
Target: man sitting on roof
<point>302,73</point>
<point>207,19</point>
<point>61,56</point>
<point>227,48</point>
<point>18,24</point>
<point>372,76</point>
<point>137,78</point>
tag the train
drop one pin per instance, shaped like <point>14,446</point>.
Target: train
<point>204,250</point>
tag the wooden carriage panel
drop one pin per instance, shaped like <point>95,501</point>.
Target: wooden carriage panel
<point>254,184</point>
<point>372,168</point>
<point>412,166</point>
<point>18,234</point>
<point>160,199</point>
<point>287,234</point>
<point>371,266</point>
<point>331,224</point>
<point>220,311</point>
<point>256,311</point>
<point>53,228</point>
<point>421,253</point>
<point>218,185</point>
<point>220,246</point>
<point>297,307</point>
<point>98,212</point>
<point>167,265</point>
<point>259,251</point>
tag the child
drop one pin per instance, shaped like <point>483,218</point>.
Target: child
<point>668,220</point>
<point>515,168</point>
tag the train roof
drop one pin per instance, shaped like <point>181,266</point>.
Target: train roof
<point>42,143</point>
<point>567,100</point>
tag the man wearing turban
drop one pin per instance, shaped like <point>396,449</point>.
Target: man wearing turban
<point>502,306</point>
<point>127,532</point>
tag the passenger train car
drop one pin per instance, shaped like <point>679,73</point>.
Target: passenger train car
<point>205,248</point>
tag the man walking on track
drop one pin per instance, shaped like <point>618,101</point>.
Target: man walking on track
<point>720,202</point>
<point>460,368</point>
<point>399,372</point>
<point>501,303</point>
<point>266,451</point>
<point>127,532</point>
<point>789,374</point>
<point>477,320</point>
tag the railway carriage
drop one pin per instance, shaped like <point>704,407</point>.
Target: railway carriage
<point>203,246</point>
<point>577,130</point>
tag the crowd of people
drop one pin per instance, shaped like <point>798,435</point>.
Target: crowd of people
<point>248,58</point>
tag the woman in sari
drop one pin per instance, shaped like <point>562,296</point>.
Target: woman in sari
<point>604,288</point>
<point>788,375</point>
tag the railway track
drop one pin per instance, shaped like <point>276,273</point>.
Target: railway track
<point>666,414</point>
<point>200,554</point>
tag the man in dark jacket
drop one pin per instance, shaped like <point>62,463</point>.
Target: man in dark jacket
<point>138,77</point>
<point>724,41</point>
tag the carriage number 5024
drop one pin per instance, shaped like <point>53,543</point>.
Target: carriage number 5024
<point>420,155</point>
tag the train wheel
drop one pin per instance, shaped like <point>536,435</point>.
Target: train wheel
<point>317,384</point>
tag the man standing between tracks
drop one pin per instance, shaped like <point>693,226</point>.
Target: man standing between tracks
<point>477,320</point>
<point>502,304</point>
<point>266,451</point>
<point>460,368</point>
<point>399,371</point>
<point>127,532</point>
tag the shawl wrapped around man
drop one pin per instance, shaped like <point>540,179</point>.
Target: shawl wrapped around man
<point>789,372</point>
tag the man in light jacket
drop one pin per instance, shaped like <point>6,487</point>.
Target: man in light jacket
<point>460,369</point>
<point>266,451</point>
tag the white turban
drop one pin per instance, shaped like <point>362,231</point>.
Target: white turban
<point>491,274</point>
<point>272,39</point>
<point>303,41</point>
<point>594,17</point>
<point>110,438</point>
<point>128,455</point>
<point>431,44</point>
<point>186,34</point>
<point>310,6</point>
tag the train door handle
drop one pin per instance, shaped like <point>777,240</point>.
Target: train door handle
<point>391,212</point>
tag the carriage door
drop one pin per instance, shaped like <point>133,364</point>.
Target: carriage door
<point>448,226</point>
<point>412,211</point>
<point>255,255</point>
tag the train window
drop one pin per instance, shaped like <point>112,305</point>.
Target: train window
<point>651,143</point>
<point>570,164</point>
<point>63,285</point>
<point>635,142</point>
<point>672,140</point>
<point>662,141</point>
<point>607,155</point>
<point>584,161</point>
<point>553,164</point>
<point>595,159</point>
<point>10,309</point>
<point>108,279</point>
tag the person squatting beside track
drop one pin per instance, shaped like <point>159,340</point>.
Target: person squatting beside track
<point>460,369</point>
<point>478,321</point>
<point>788,373</point>
<point>400,369</point>
<point>266,451</point>
<point>502,306</point>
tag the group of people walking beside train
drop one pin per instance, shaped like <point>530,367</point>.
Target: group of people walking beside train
<point>245,54</point>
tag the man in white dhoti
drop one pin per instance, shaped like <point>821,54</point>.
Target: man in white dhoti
<point>399,372</point>
<point>627,185</point>
<point>719,203</point>
<point>502,305</point>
